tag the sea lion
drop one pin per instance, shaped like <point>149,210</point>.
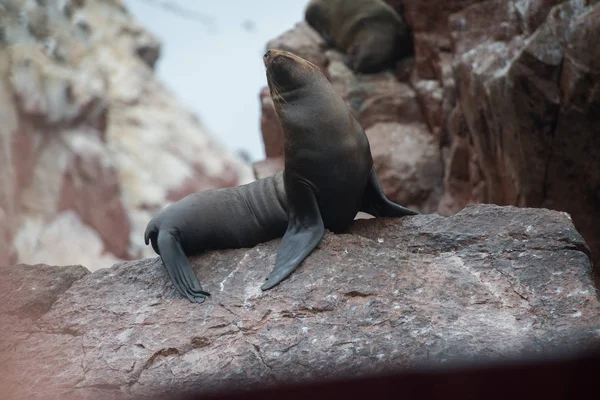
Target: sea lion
<point>242,216</point>
<point>328,175</point>
<point>328,178</point>
<point>370,32</point>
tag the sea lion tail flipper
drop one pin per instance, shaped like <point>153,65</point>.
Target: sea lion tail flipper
<point>151,234</point>
<point>305,230</point>
<point>151,230</point>
<point>376,204</point>
<point>178,267</point>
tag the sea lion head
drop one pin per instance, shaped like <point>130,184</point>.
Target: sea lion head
<point>286,71</point>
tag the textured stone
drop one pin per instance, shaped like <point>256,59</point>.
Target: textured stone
<point>272,132</point>
<point>86,127</point>
<point>408,164</point>
<point>303,41</point>
<point>486,283</point>
<point>58,240</point>
<point>268,167</point>
<point>377,98</point>
<point>532,120</point>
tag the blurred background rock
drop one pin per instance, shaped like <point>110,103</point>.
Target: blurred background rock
<point>93,142</point>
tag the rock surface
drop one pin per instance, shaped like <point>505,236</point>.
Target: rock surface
<point>410,169</point>
<point>78,102</point>
<point>529,81</point>
<point>508,89</point>
<point>485,283</point>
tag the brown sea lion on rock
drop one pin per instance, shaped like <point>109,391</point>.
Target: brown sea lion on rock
<point>370,32</point>
<point>328,175</point>
<point>328,178</point>
<point>236,217</point>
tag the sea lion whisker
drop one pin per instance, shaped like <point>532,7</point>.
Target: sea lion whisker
<point>276,92</point>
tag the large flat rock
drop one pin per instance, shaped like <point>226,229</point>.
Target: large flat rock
<point>487,283</point>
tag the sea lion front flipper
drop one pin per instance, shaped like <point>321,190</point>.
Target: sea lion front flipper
<point>178,268</point>
<point>376,204</point>
<point>305,230</point>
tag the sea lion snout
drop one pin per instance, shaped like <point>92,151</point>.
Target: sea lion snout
<point>270,57</point>
<point>286,71</point>
<point>275,59</point>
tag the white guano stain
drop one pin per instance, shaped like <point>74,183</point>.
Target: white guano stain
<point>222,283</point>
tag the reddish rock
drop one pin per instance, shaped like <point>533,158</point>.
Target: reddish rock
<point>64,161</point>
<point>91,188</point>
<point>404,68</point>
<point>186,188</point>
<point>431,16</point>
<point>272,133</point>
<point>268,167</point>
<point>378,98</point>
<point>571,182</point>
<point>532,119</point>
<point>463,182</point>
<point>458,188</point>
<point>408,164</point>
<point>9,204</point>
<point>397,5</point>
<point>427,56</point>
<point>485,284</point>
<point>430,96</point>
<point>303,41</point>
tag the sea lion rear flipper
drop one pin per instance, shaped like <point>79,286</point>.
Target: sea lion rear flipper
<point>376,204</point>
<point>178,267</point>
<point>305,230</point>
<point>151,235</point>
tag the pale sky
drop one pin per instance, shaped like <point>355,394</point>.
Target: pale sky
<point>216,68</point>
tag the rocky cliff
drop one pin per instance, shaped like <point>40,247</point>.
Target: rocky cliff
<point>91,143</point>
<point>487,283</point>
<point>500,104</point>
<point>480,114</point>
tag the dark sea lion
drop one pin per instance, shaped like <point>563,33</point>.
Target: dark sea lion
<point>328,175</point>
<point>328,178</point>
<point>236,217</point>
<point>369,32</point>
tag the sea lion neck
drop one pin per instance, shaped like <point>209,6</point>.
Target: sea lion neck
<point>283,96</point>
